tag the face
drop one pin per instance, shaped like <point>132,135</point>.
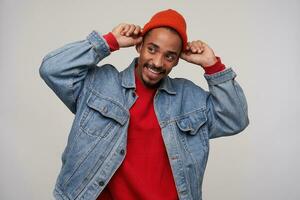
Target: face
<point>159,53</point>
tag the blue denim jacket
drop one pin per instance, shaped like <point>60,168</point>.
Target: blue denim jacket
<point>100,98</point>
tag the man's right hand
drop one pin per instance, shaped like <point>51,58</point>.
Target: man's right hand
<point>127,34</point>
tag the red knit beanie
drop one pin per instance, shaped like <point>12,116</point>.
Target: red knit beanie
<point>169,18</point>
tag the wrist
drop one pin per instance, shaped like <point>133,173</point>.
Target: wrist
<point>210,62</point>
<point>111,41</point>
<point>217,66</point>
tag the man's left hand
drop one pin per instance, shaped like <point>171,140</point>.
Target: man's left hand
<point>199,53</point>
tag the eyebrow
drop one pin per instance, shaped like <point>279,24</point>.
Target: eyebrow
<point>156,46</point>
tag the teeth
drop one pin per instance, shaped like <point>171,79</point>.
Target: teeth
<point>153,70</point>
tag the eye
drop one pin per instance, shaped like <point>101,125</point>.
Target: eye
<point>170,57</point>
<point>151,49</point>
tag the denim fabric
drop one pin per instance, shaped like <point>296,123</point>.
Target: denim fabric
<point>100,98</point>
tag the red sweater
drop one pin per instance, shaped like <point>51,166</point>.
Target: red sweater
<point>145,172</point>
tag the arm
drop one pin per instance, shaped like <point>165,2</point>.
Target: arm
<point>65,69</point>
<point>226,104</point>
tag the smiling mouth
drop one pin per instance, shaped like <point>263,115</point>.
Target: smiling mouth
<point>153,69</point>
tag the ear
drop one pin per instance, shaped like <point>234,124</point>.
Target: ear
<point>138,47</point>
<point>176,61</point>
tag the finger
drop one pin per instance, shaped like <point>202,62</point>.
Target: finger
<point>137,30</point>
<point>138,40</point>
<point>188,46</point>
<point>185,56</point>
<point>118,29</point>
<point>198,43</point>
<point>193,47</point>
<point>199,46</point>
<point>125,29</point>
<point>203,45</point>
<point>130,30</point>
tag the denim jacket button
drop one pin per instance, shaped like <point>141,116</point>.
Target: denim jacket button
<point>104,109</point>
<point>101,183</point>
<point>122,152</point>
<point>133,94</point>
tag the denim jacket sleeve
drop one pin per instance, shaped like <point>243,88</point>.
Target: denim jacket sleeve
<point>65,69</point>
<point>227,106</point>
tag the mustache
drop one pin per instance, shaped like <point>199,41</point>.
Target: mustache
<point>156,68</point>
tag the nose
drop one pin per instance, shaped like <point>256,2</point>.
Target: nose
<point>158,60</point>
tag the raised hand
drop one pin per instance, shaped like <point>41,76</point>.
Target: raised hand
<point>127,34</point>
<point>199,53</point>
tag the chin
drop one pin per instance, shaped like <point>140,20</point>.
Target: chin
<point>151,84</point>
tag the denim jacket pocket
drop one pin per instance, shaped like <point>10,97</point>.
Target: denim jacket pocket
<point>191,122</point>
<point>101,115</point>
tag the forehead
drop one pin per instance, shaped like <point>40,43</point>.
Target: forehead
<point>164,38</point>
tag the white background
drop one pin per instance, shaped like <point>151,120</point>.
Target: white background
<point>259,39</point>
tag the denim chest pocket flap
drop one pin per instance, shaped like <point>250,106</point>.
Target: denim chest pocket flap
<point>102,115</point>
<point>191,122</point>
<point>108,108</point>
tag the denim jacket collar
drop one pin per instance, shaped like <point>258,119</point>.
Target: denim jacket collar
<point>128,80</point>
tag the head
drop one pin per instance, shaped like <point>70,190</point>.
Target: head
<point>164,36</point>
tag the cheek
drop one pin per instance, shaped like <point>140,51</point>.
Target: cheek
<point>169,68</point>
<point>143,58</point>
<point>143,52</point>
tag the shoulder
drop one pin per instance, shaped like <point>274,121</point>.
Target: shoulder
<point>103,76</point>
<point>106,69</point>
<point>186,85</point>
<point>186,89</point>
<point>104,73</point>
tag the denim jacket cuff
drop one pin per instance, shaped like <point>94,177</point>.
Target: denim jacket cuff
<point>100,45</point>
<point>220,77</point>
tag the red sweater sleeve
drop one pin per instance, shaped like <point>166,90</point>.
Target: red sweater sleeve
<point>217,67</point>
<point>111,41</point>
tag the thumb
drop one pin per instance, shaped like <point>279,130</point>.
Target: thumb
<point>184,55</point>
<point>138,40</point>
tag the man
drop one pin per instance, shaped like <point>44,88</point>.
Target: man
<point>139,134</point>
